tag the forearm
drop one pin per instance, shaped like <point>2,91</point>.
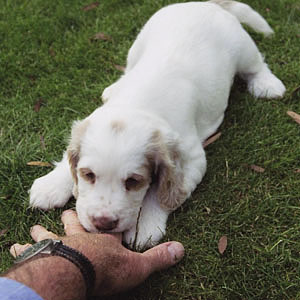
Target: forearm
<point>117,268</point>
<point>51,277</point>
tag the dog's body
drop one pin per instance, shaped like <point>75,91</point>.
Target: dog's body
<point>140,155</point>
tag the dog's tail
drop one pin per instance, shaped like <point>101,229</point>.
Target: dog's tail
<point>245,14</point>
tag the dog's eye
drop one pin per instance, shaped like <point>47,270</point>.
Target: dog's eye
<point>88,175</point>
<point>131,183</point>
<point>134,182</point>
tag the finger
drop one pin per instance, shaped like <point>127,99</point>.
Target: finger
<point>39,233</point>
<point>162,256</point>
<point>17,249</point>
<point>71,222</point>
<point>116,235</point>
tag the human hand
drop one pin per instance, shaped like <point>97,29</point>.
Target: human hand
<point>117,268</point>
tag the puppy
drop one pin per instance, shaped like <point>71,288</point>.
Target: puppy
<point>140,155</point>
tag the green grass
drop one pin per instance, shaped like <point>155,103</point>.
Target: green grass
<point>46,55</point>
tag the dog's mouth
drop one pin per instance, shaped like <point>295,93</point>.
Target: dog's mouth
<point>108,229</point>
<point>95,230</point>
<point>115,230</point>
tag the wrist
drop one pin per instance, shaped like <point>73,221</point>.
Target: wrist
<point>52,277</point>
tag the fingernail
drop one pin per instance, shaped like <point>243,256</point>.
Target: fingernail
<point>176,250</point>
<point>14,250</point>
<point>33,228</point>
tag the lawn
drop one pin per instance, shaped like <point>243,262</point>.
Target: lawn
<point>53,69</point>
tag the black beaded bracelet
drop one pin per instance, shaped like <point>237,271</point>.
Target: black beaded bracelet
<point>57,248</point>
<point>82,262</point>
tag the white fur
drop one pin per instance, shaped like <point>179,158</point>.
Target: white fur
<point>171,98</point>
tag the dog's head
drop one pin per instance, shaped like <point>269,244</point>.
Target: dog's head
<point>116,164</point>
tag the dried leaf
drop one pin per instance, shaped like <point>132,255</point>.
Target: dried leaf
<point>119,68</point>
<point>294,116</point>
<point>38,105</point>
<point>39,164</point>
<point>3,231</point>
<point>101,36</point>
<point>222,245</point>
<point>90,6</point>
<point>211,139</point>
<point>257,169</point>
<point>297,171</point>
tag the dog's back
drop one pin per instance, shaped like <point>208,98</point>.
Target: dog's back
<point>182,64</point>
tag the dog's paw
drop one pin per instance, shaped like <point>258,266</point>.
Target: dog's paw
<point>145,237</point>
<point>49,191</point>
<point>266,85</point>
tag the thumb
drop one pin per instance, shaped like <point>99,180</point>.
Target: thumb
<point>163,256</point>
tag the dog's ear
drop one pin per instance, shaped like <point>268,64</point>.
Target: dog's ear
<point>167,174</point>
<point>73,150</point>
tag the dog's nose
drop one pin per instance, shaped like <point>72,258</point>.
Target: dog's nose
<point>105,223</point>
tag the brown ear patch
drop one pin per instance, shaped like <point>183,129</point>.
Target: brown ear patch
<point>73,150</point>
<point>168,178</point>
<point>170,192</point>
<point>73,161</point>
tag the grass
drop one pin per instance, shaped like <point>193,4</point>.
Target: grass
<point>52,73</point>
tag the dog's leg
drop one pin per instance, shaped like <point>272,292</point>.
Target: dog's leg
<point>261,82</point>
<point>264,84</point>
<point>53,189</point>
<point>195,166</point>
<point>150,227</point>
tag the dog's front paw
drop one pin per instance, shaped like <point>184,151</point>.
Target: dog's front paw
<point>145,237</point>
<point>50,191</point>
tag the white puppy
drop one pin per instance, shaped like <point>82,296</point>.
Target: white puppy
<point>140,155</point>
